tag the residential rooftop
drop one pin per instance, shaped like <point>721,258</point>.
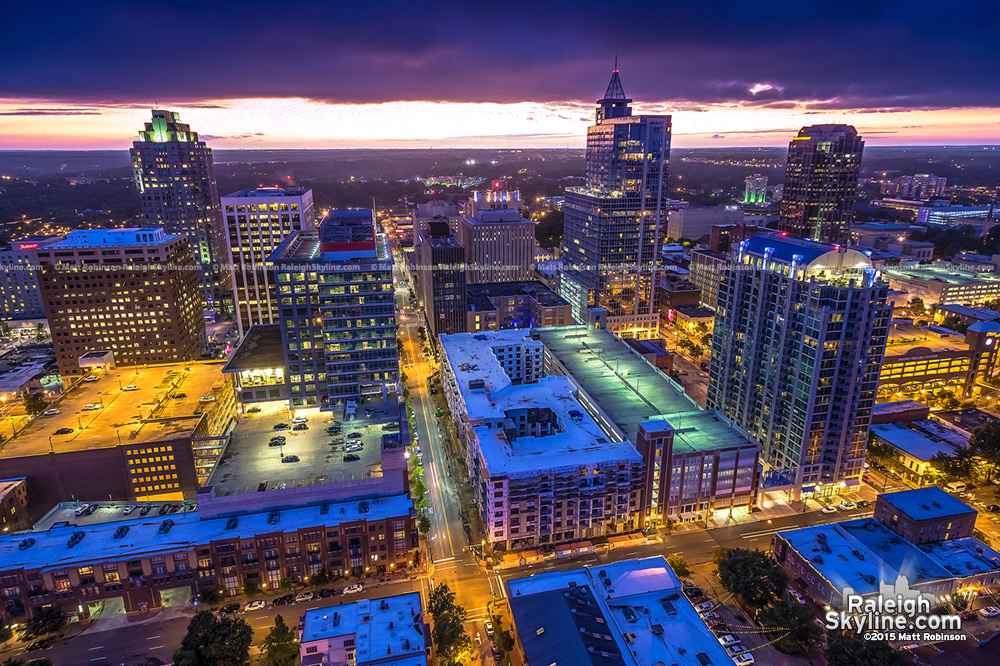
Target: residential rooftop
<point>943,272</point>
<point>479,295</point>
<point>922,439</point>
<point>129,236</point>
<point>389,629</point>
<point>982,314</point>
<point>175,532</point>
<point>810,255</point>
<point>630,612</point>
<point>925,503</point>
<point>268,193</point>
<point>7,485</point>
<point>260,348</point>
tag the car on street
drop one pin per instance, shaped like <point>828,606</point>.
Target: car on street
<point>300,426</point>
<point>131,387</point>
<point>91,378</point>
<point>864,504</point>
<point>355,435</point>
<point>323,594</point>
<point>989,611</point>
<point>704,607</point>
<point>230,608</point>
<point>734,650</point>
<point>710,616</point>
<point>351,457</point>
<point>50,412</point>
<point>795,594</point>
<point>353,589</point>
<point>206,398</point>
<point>91,407</point>
<point>729,639</point>
<point>848,506</point>
<point>829,509</point>
<point>299,419</point>
<point>290,459</point>
<point>281,426</point>
<point>179,396</point>
<point>969,615</point>
<point>63,431</point>
<point>253,410</point>
<point>304,596</point>
<point>351,448</point>
<point>744,659</point>
<point>489,628</point>
<point>144,510</point>
<point>284,601</point>
<point>255,605</point>
<point>993,507</point>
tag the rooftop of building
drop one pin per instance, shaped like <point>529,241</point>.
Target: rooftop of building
<point>7,485</point>
<point>966,419</point>
<point>982,314</point>
<point>708,252</point>
<point>53,548</point>
<point>630,612</point>
<point>922,439</point>
<point>963,557</point>
<point>126,237</point>
<point>941,272</point>
<point>909,340</point>
<point>479,295</point>
<point>22,364</point>
<point>695,312</point>
<point>925,503</point>
<point>260,348</point>
<point>125,414</point>
<point>623,384</point>
<point>497,216</point>
<point>699,430</point>
<point>810,255</point>
<point>646,347</point>
<point>382,628</point>
<point>886,410</point>
<point>268,193</point>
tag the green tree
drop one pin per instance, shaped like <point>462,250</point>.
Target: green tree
<point>752,575</point>
<point>678,564</point>
<point>440,600</point>
<point>321,577</point>
<point>6,633</point>
<point>959,601</point>
<point>46,620</point>
<point>419,489</point>
<point>39,332</point>
<point>849,650</point>
<point>251,588</point>
<point>793,622</point>
<point>280,646</point>
<point>955,467</point>
<point>424,524</point>
<point>213,641</point>
<point>35,404</point>
<point>4,330</point>
<point>985,443</point>
<point>449,619</point>
<point>210,595</point>
<point>285,584</point>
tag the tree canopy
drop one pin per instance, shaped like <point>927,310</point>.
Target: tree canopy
<point>213,641</point>
<point>752,575</point>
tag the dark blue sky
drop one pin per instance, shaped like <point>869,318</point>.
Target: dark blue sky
<point>893,55</point>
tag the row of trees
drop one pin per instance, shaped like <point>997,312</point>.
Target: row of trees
<point>450,639</point>
<point>223,641</point>
<point>981,458</point>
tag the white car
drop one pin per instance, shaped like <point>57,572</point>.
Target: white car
<point>705,607</point>
<point>847,506</point>
<point>743,659</point>
<point>305,596</point>
<point>729,639</point>
<point>91,407</point>
<point>300,419</point>
<point>79,511</point>
<point>207,398</point>
<point>829,509</point>
<point>129,509</point>
<point>91,378</point>
<point>353,589</point>
<point>989,611</point>
<point>50,412</point>
<point>131,387</point>
<point>255,605</point>
<point>797,596</point>
<point>734,650</point>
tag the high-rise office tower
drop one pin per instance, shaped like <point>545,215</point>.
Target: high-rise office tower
<point>919,187</point>
<point>499,246</point>
<point>256,223</point>
<point>800,329</point>
<point>176,180</point>
<point>441,278</point>
<point>19,295</point>
<point>755,191</point>
<point>337,311</point>
<point>821,183</point>
<point>124,291</point>
<point>613,224</point>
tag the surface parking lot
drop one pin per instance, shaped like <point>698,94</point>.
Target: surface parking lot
<point>249,461</point>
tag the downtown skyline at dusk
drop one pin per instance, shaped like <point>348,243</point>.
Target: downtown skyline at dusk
<point>408,76</point>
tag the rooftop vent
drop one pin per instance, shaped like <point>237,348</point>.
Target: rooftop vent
<point>273,517</point>
<point>121,531</point>
<point>75,538</point>
<point>26,544</point>
<point>232,523</point>
<point>165,526</point>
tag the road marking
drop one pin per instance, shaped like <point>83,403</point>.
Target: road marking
<point>152,638</point>
<point>157,647</point>
<point>261,617</point>
<point>99,647</point>
<point>98,659</point>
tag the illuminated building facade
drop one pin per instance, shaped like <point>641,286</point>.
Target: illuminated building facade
<point>821,183</point>
<point>614,224</point>
<point>800,329</point>
<point>499,246</point>
<point>337,318</point>
<point>755,190</point>
<point>256,223</point>
<point>19,295</point>
<point>121,290</point>
<point>441,278</point>
<point>175,177</point>
<point>920,187</point>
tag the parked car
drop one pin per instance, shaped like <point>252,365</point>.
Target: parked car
<point>993,507</point>
<point>795,594</point>
<point>276,442</point>
<point>692,591</point>
<point>50,412</point>
<point>829,509</point>
<point>351,448</point>
<point>255,605</point>
<point>299,419</point>
<point>283,601</point>
<point>131,387</point>
<point>353,589</point>
<point>704,607</point>
<point>278,438</point>
<point>281,426</point>
<point>91,378</point>
<point>206,398</point>
<point>734,650</point>
<point>710,616</point>
<point>969,615</point>
<point>262,486</point>
<point>351,457</point>
<point>323,594</point>
<point>717,625</point>
<point>300,426</point>
<point>230,608</point>
<point>178,396</point>
<point>253,410</point>
<point>744,659</point>
<point>290,459</point>
<point>63,431</point>
<point>144,510</point>
<point>864,504</point>
<point>164,509</point>
<point>355,435</point>
<point>989,611</point>
<point>129,509</point>
<point>91,407</point>
<point>729,639</point>
<point>848,506</point>
<point>304,596</point>
<point>489,628</point>
<point>80,510</point>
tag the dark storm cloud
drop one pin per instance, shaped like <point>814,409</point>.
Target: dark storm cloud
<point>845,54</point>
<point>51,112</point>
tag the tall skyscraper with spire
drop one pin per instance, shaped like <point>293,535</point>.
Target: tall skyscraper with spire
<point>176,181</point>
<point>612,231</point>
<point>821,183</point>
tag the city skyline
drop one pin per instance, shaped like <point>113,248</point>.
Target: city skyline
<point>421,77</point>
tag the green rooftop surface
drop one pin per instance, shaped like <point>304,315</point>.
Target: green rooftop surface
<point>630,390</point>
<point>947,274</point>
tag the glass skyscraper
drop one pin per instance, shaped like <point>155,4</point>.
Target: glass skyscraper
<point>612,231</point>
<point>176,181</point>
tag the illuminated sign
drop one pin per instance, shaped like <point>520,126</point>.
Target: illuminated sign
<point>28,246</point>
